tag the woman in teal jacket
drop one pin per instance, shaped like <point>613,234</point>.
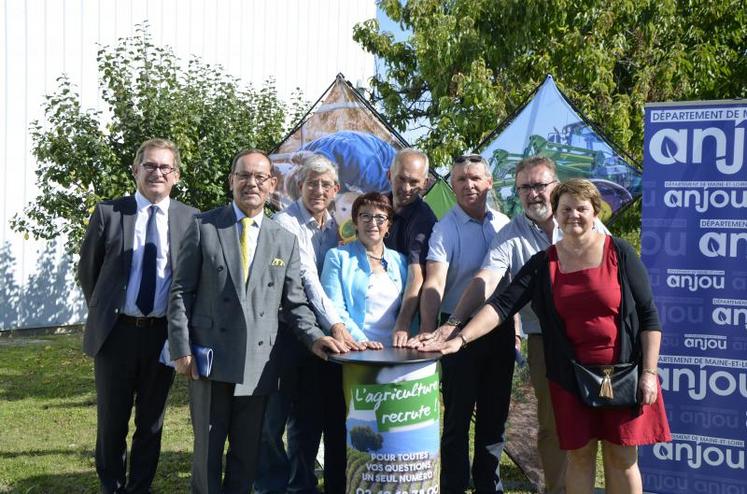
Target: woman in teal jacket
<point>364,279</point>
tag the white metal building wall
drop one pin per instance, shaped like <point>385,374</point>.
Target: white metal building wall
<point>301,43</point>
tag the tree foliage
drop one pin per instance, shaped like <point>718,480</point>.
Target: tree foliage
<point>363,438</point>
<point>85,155</point>
<point>467,64</point>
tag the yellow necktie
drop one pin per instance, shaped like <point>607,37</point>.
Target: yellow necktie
<point>246,248</point>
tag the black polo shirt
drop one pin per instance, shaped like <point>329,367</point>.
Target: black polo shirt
<point>411,230</point>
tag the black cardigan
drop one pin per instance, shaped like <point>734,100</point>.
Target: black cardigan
<point>637,311</point>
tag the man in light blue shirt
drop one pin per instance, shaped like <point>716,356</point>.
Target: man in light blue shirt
<point>298,402</point>
<point>524,236</point>
<point>481,375</point>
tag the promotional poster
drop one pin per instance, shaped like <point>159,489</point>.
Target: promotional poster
<point>694,245</point>
<point>392,428</point>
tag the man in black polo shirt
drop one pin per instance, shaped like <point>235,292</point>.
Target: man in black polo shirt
<point>410,230</point>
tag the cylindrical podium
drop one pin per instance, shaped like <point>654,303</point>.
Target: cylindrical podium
<point>393,421</point>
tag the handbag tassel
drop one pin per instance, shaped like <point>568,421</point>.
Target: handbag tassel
<point>605,391</point>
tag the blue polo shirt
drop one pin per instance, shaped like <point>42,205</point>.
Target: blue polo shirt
<point>461,242</point>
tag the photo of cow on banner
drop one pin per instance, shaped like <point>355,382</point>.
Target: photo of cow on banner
<point>343,127</point>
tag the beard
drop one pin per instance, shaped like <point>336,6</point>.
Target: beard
<point>538,211</point>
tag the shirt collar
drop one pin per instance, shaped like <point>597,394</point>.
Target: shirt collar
<point>240,215</point>
<point>465,218</point>
<point>557,233</point>
<point>143,203</point>
<point>408,210</point>
<point>307,218</point>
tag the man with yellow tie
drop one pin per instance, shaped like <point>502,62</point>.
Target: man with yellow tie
<point>237,268</point>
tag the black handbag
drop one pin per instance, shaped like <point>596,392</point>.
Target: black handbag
<point>607,386</point>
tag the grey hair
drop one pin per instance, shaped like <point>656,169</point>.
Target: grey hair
<point>532,161</point>
<point>404,153</point>
<point>316,163</point>
<point>467,162</point>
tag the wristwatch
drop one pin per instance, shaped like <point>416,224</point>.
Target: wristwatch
<point>453,321</point>
<point>464,340</point>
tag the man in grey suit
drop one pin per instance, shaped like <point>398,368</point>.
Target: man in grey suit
<point>237,269</point>
<point>125,271</point>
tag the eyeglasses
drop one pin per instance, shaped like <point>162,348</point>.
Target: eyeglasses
<point>151,167</point>
<point>538,188</point>
<point>325,185</point>
<point>246,177</point>
<point>379,219</point>
<point>472,158</point>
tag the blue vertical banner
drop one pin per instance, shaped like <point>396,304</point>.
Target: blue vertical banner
<point>694,244</point>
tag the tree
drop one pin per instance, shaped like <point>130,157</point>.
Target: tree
<point>85,156</point>
<point>467,64</point>
<point>364,439</point>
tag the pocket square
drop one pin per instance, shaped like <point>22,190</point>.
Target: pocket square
<point>277,262</point>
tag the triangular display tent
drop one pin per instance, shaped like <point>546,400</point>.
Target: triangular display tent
<point>440,198</point>
<point>345,128</point>
<point>549,125</point>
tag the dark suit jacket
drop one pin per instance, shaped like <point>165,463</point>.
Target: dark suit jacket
<point>211,306</point>
<point>106,257</point>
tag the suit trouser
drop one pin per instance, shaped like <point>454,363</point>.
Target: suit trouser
<point>297,407</point>
<point>312,400</point>
<point>333,427</point>
<point>218,415</point>
<point>553,458</point>
<point>127,372</point>
<point>478,376</point>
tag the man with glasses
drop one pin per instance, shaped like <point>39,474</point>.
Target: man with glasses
<point>304,379</point>
<point>481,375</point>
<point>524,236</point>
<point>410,230</point>
<point>125,271</point>
<point>236,270</point>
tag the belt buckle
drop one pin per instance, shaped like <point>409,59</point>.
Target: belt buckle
<point>142,322</point>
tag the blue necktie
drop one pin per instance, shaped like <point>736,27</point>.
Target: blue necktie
<point>147,294</point>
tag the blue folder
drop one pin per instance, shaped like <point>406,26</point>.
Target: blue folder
<point>202,355</point>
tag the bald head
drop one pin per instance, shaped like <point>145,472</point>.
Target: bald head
<point>408,176</point>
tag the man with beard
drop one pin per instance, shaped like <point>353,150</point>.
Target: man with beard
<point>410,230</point>
<point>480,376</point>
<point>524,236</point>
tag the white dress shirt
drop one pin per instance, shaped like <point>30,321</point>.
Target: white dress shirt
<point>163,264</point>
<point>313,241</point>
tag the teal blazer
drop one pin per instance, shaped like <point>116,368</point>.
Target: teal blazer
<point>345,280</point>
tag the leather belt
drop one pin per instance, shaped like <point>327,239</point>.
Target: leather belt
<point>142,322</point>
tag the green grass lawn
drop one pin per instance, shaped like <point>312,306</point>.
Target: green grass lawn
<point>48,423</point>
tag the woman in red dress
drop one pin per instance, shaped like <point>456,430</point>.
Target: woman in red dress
<point>592,291</point>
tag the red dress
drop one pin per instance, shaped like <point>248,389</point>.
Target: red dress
<point>588,302</point>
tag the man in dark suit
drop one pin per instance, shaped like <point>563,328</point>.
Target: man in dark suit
<point>237,268</point>
<point>125,271</point>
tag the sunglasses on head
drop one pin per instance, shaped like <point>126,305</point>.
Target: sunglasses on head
<point>472,158</point>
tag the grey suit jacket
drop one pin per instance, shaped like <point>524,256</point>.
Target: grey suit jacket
<point>106,257</point>
<point>211,306</point>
